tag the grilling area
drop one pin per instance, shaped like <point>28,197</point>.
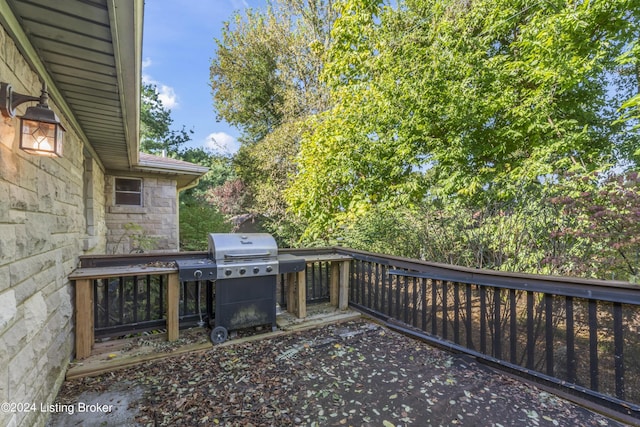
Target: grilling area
<point>533,327</point>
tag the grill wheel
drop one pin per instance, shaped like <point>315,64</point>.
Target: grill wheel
<point>219,335</point>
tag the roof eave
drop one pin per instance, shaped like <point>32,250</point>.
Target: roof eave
<point>126,25</point>
<point>186,174</point>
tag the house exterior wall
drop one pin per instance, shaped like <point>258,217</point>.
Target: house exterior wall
<point>156,219</point>
<point>43,227</point>
<point>95,240</point>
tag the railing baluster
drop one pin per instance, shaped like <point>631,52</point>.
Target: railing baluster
<point>434,308</point>
<point>376,289</point>
<point>327,275</point>
<point>363,282</point>
<point>469,318</point>
<point>313,280</point>
<point>497,326</point>
<point>148,297</point>
<point>414,294</point>
<point>483,319</point>
<point>121,300</point>
<point>390,294</point>
<point>513,326</point>
<point>107,307</point>
<point>161,307</point>
<point>360,266</point>
<point>423,293</point>
<point>405,285</point>
<point>96,311</point>
<point>571,349</point>
<point>382,305</point>
<point>618,345</point>
<point>445,311</point>
<point>548,317</point>
<point>369,284</point>
<point>456,311</point>
<point>135,299</point>
<point>353,282</point>
<point>184,298</point>
<point>531,340</point>
<point>593,344</point>
<point>398,297</point>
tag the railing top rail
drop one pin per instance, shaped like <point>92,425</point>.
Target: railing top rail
<point>611,291</point>
<point>94,261</point>
<point>118,271</point>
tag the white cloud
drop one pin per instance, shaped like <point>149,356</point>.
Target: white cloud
<point>168,96</point>
<point>222,143</point>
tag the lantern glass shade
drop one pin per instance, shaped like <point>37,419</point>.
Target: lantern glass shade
<point>41,136</point>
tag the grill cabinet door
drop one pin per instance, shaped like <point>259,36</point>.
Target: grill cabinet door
<point>243,303</point>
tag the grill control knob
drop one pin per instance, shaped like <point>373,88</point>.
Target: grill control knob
<point>256,270</point>
<point>197,274</point>
<point>242,271</point>
<point>228,272</point>
<point>269,269</point>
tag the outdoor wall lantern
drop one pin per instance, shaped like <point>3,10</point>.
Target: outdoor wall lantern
<point>40,129</point>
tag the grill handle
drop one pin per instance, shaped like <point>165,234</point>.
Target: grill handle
<point>249,255</point>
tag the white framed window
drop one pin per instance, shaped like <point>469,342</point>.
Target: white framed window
<point>128,191</point>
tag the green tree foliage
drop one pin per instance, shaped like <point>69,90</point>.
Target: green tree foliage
<point>265,77</point>
<point>220,170</point>
<point>246,89</point>
<point>465,100</point>
<point>456,131</point>
<point>197,220</point>
<point>199,215</point>
<point>584,225</point>
<point>156,134</point>
<point>266,67</point>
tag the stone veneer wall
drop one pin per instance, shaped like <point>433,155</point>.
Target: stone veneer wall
<point>158,216</point>
<point>42,229</point>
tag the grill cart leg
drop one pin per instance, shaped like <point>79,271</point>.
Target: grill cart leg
<point>219,334</point>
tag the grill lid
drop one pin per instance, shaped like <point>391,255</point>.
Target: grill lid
<point>235,247</point>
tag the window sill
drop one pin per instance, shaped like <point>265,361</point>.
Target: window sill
<point>124,209</point>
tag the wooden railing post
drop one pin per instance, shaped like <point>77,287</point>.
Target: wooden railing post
<point>339,283</point>
<point>297,294</point>
<point>173,301</point>
<point>343,293</point>
<point>301,286</point>
<point>84,318</point>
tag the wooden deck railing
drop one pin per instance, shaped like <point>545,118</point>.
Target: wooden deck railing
<point>120,295</point>
<point>580,335</point>
<point>86,282</point>
<point>576,334</point>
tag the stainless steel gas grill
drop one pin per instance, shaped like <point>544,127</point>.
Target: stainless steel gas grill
<point>243,269</point>
<point>241,255</point>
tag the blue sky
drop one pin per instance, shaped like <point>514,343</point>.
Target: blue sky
<point>178,44</point>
